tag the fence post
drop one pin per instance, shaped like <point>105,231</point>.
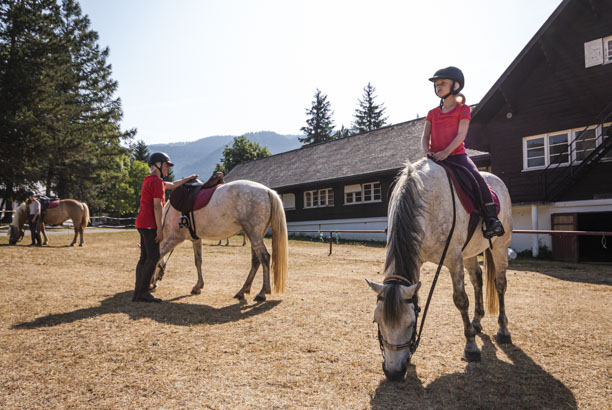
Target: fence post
<point>331,242</point>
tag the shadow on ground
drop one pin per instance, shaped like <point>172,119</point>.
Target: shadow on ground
<point>491,383</point>
<point>181,314</point>
<point>597,274</point>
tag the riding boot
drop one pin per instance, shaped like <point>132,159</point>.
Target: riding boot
<point>493,226</point>
<point>146,273</point>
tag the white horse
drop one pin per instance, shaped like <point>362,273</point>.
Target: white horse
<point>420,219</point>
<point>234,207</point>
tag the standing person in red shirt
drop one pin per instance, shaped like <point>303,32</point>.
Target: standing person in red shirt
<point>445,130</point>
<point>148,222</point>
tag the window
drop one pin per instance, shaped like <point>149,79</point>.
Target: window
<point>288,201</point>
<point>362,193</point>
<point>536,153</point>
<point>607,50</point>
<point>607,134</point>
<point>553,149</point>
<point>585,142</point>
<point>319,198</point>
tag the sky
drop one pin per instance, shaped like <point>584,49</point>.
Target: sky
<point>189,69</point>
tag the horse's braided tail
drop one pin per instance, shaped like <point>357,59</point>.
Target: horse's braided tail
<point>492,298</point>
<point>280,242</point>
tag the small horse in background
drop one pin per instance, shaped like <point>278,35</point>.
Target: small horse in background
<point>420,219</point>
<point>66,209</point>
<point>236,206</point>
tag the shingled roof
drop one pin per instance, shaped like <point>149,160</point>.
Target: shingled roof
<point>385,149</point>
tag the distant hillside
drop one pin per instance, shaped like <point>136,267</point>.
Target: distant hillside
<point>201,156</point>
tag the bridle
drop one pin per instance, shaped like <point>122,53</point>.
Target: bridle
<point>414,341</point>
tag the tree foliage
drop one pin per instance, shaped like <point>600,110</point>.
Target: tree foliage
<point>369,116</point>
<point>242,150</point>
<point>59,118</point>
<point>319,125</point>
<point>140,151</point>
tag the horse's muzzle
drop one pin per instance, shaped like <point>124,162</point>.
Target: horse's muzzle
<point>396,376</point>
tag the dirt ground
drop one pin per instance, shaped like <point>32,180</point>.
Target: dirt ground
<point>70,336</point>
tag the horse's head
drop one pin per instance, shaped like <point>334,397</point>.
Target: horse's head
<point>15,234</point>
<point>396,318</point>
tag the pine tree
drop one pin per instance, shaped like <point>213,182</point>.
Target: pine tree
<point>342,133</point>
<point>140,151</point>
<point>319,126</point>
<point>242,150</point>
<point>369,116</point>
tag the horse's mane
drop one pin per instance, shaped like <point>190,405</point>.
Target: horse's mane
<point>406,233</point>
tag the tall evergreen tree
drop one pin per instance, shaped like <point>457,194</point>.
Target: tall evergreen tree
<point>140,151</point>
<point>242,150</point>
<point>319,126</point>
<point>59,119</point>
<point>369,116</point>
<point>342,133</point>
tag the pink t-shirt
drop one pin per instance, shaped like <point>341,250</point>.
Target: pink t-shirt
<point>445,126</point>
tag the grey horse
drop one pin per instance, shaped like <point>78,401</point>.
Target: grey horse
<point>237,206</point>
<point>420,219</point>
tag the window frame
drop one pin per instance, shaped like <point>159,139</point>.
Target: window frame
<point>607,50</point>
<point>283,199</point>
<point>352,193</point>
<point>315,198</point>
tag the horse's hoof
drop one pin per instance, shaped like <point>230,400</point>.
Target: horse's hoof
<point>260,298</point>
<point>477,327</point>
<point>503,339</point>
<point>239,296</point>
<point>80,245</point>
<point>71,244</point>
<point>471,356</point>
<point>196,291</point>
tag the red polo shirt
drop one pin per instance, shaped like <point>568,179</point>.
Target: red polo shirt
<point>152,187</point>
<point>445,126</point>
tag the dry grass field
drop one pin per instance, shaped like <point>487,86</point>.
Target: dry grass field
<point>70,336</point>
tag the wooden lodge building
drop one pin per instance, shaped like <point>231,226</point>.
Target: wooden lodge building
<point>547,124</point>
<point>342,184</point>
<point>544,128</point>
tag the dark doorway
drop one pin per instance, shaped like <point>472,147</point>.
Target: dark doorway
<point>591,248</point>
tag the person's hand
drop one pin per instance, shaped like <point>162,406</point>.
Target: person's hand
<point>440,156</point>
<point>160,235</point>
<point>192,176</point>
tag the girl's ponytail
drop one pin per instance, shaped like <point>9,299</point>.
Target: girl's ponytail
<point>460,98</point>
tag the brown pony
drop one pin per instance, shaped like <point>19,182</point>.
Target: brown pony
<point>66,209</point>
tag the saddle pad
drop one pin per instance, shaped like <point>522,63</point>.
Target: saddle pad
<point>204,197</point>
<point>462,184</point>
<point>53,204</point>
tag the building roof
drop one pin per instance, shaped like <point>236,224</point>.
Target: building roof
<point>385,149</point>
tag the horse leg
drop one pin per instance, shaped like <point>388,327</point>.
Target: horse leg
<point>165,247</point>
<point>475,272</point>
<point>471,352</point>
<point>81,235</point>
<point>76,232</point>
<point>500,259</point>
<point>41,227</point>
<point>264,259</point>
<point>197,255</point>
<point>246,288</point>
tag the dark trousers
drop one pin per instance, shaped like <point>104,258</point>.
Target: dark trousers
<point>466,162</point>
<point>149,256</point>
<point>34,229</point>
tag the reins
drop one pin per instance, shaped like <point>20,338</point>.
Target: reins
<point>399,280</point>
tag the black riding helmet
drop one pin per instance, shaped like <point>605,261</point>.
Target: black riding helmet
<point>156,157</point>
<point>449,73</point>
<point>30,193</point>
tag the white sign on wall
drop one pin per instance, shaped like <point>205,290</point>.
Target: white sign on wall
<point>593,53</point>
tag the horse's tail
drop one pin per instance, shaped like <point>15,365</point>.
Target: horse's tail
<point>85,219</point>
<point>280,242</point>
<point>492,298</point>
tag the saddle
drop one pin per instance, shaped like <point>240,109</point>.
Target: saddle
<point>45,204</point>
<point>469,195</point>
<point>192,196</point>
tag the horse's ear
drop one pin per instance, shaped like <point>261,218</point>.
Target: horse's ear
<point>410,291</point>
<point>376,287</point>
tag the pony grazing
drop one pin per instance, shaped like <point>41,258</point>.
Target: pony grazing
<point>236,206</point>
<point>66,209</point>
<point>422,211</point>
